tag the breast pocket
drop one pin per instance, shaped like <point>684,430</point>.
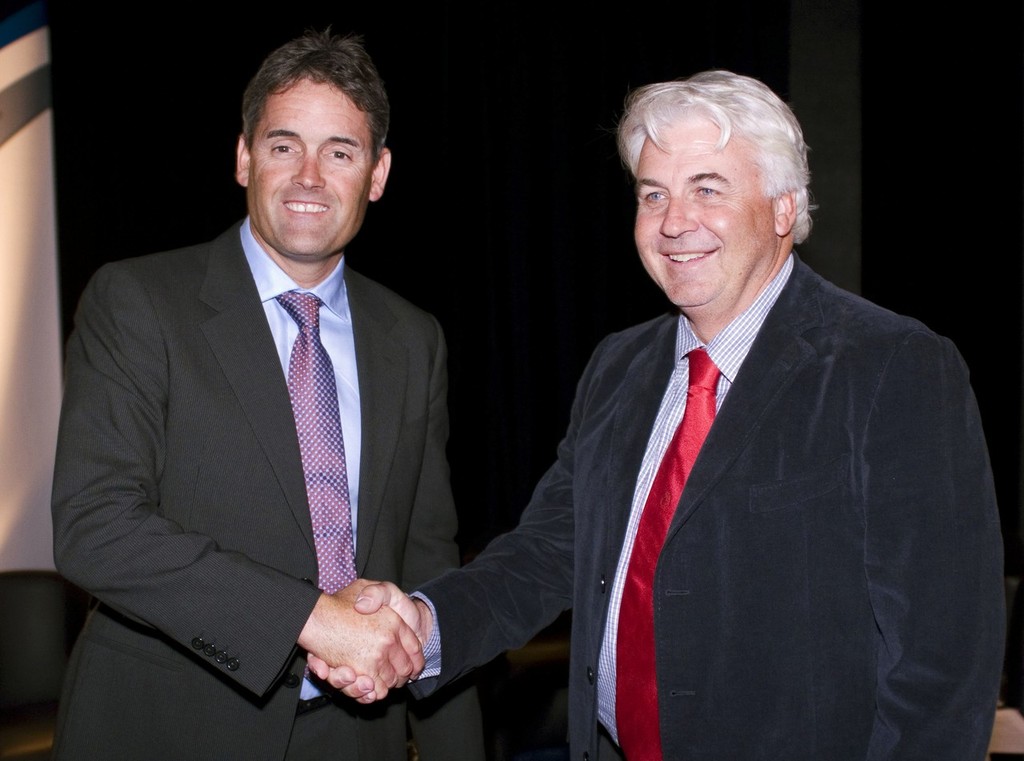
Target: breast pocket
<point>802,489</point>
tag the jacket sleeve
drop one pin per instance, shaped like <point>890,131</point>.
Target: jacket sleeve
<point>520,582</point>
<point>112,532</point>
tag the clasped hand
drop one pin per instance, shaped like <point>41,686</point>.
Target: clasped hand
<point>366,639</point>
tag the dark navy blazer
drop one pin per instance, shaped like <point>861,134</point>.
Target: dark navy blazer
<point>832,583</point>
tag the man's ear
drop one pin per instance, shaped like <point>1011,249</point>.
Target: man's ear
<point>242,160</point>
<point>380,174</point>
<point>785,213</point>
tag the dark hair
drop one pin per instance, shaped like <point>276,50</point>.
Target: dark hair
<point>324,58</point>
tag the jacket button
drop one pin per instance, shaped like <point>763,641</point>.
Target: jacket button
<point>590,675</point>
<point>603,583</point>
<point>291,681</point>
<point>234,664</point>
<point>221,657</point>
<point>197,643</point>
<point>586,756</point>
<point>210,650</point>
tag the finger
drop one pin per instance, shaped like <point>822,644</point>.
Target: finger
<point>372,598</point>
<point>341,676</point>
<point>360,696</point>
<point>401,666</point>
<point>317,666</point>
<point>361,689</point>
<point>346,680</point>
<point>412,646</point>
<point>387,674</point>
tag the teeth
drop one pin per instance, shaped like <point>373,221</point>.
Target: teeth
<point>684,257</point>
<point>306,208</point>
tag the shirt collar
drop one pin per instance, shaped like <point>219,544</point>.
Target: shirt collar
<point>271,280</point>
<point>729,348</point>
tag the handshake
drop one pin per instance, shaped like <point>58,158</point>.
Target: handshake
<point>367,638</point>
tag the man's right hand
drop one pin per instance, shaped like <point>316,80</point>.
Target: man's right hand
<point>375,599</point>
<point>370,652</point>
<point>415,612</point>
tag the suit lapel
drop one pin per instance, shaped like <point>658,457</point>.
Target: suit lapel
<point>640,397</point>
<point>776,357</point>
<point>383,371</point>
<point>240,338</point>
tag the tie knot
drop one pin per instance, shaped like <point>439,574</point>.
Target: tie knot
<point>703,372</point>
<point>304,308</point>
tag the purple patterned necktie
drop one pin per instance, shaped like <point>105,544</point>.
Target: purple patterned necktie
<point>314,396</point>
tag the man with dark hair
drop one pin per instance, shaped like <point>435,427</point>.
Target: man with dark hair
<point>248,424</point>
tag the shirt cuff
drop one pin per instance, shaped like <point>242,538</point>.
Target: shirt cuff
<point>432,647</point>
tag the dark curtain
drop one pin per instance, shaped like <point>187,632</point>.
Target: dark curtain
<point>943,201</point>
<point>507,213</point>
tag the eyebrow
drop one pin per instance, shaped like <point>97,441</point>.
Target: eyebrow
<point>333,139</point>
<point>693,179</point>
<point>706,176</point>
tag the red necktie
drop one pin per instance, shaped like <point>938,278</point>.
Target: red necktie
<point>314,398</point>
<point>636,694</point>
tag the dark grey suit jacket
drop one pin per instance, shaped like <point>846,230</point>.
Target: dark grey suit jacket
<point>831,586</point>
<point>179,502</point>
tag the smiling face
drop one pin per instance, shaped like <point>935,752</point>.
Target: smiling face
<point>705,231</point>
<point>309,176</point>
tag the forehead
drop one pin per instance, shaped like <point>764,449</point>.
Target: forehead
<point>310,109</point>
<point>691,146</point>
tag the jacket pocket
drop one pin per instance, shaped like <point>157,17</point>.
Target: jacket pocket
<point>796,491</point>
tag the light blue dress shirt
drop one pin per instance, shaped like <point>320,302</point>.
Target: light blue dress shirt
<point>336,336</point>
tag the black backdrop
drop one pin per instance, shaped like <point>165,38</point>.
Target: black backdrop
<point>507,213</point>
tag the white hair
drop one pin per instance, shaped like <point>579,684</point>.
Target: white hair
<point>739,106</point>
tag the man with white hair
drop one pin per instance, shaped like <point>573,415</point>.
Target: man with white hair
<point>826,579</point>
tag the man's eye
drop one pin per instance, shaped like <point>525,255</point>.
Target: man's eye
<point>654,196</point>
<point>706,192</point>
<point>339,155</point>
<point>281,149</point>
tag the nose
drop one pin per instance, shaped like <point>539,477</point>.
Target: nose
<point>680,217</point>
<point>308,172</point>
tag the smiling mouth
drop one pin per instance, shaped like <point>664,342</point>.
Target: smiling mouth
<point>685,257</point>
<point>305,208</point>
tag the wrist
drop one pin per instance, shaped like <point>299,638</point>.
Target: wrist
<point>426,620</point>
<point>311,629</point>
